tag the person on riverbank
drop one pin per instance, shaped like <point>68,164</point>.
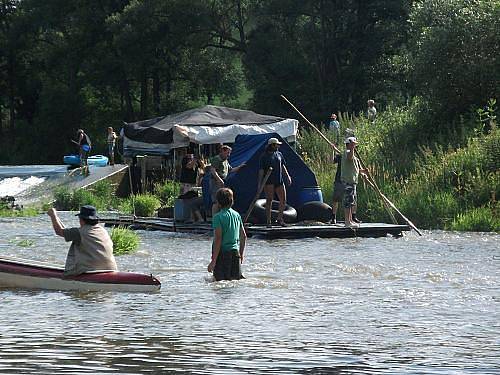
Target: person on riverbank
<point>219,170</point>
<point>275,184</point>
<point>371,111</point>
<point>111,140</point>
<point>334,126</point>
<point>350,170</point>
<point>229,240</point>
<point>84,146</point>
<point>91,246</point>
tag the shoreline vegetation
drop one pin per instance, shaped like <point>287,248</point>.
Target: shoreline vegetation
<point>433,148</point>
<point>452,182</point>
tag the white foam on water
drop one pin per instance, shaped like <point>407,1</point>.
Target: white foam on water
<point>16,185</point>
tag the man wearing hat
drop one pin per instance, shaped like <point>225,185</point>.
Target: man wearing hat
<point>350,169</point>
<point>91,247</point>
<point>272,158</point>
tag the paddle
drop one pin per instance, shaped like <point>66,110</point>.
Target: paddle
<point>259,191</point>
<point>371,183</point>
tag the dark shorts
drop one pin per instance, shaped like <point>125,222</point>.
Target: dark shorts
<point>349,195</point>
<point>275,184</point>
<point>83,157</point>
<point>338,192</point>
<point>228,266</point>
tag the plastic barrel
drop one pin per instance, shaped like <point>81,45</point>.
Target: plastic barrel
<point>310,194</point>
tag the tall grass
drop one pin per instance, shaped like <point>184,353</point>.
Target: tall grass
<point>167,192</point>
<point>124,240</point>
<point>446,181</point>
<point>100,195</point>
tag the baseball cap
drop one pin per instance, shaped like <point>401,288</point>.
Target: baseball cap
<point>351,140</point>
<point>274,141</point>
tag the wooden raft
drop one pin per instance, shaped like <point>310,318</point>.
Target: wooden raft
<point>261,231</point>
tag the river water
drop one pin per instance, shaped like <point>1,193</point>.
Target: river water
<point>414,305</point>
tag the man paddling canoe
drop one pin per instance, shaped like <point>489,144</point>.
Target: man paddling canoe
<point>91,247</point>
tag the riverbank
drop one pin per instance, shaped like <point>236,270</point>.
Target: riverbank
<point>439,182</point>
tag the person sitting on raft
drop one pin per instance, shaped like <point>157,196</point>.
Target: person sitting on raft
<point>91,246</point>
<point>229,239</point>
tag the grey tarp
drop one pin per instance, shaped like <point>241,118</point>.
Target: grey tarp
<point>206,125</point>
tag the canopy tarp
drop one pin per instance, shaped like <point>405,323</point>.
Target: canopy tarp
<point>248,149</point>
<point>206,125</point>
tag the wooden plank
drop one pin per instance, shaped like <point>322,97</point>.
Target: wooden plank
<point>290,232</point>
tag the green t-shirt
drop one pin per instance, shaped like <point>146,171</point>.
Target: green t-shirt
<point>230,222</point>
<point>349,169</point>
<point>222,167</point>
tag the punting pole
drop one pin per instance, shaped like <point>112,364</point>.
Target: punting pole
<point>369,178</point>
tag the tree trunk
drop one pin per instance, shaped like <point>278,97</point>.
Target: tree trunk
<point>156,93</point>
<point>144,94</point>
<point>129,109</point>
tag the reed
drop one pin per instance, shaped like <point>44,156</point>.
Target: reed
<point>146,205</point>
<point>445,181</point>
<point>23,212</point>
<point>167,192</point>
<point>101,195</point>
<point>124,240</point>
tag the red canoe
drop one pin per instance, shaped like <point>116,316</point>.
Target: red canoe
<point>20,273</point>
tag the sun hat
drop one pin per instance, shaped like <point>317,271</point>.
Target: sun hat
<point>274,141</point>
<point>351,140</point>
<point>88,212</point>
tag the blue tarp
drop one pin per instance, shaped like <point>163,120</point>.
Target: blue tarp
<point>248,149</point>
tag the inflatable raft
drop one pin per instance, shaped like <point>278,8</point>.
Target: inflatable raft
<point>20,273</point>
<point>97,160</point>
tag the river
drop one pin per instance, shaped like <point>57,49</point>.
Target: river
<point>414,305</point>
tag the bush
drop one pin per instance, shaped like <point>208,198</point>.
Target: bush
<point>100,195</point>
<point>167,192</point>
<point>146,205</point>
<point>482,219</point>
<point>124,240</point>
<point>24,212</point>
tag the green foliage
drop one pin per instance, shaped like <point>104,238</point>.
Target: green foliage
<point>146,205</point>
<point>167,192</point>
<point>454,53</point>
<point>100,195</point>
<point>25,243</point>
<point>124,240</point>
<point>430,183</point>
<point>481,219</point>
<point>23,212</point>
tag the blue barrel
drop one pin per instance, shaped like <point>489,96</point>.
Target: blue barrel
<point>310,194</point>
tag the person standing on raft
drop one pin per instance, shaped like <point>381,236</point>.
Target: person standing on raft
<point>350,170</point>
<point>273,158</point>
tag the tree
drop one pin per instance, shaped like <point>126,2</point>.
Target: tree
<point>454,54</point>
<point>325,53</point>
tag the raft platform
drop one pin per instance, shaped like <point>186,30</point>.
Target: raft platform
<point>291,231</point>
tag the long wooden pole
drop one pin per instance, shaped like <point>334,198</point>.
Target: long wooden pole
<point>384,198</point>
<point>259,190</point>
<point>373,184</point>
